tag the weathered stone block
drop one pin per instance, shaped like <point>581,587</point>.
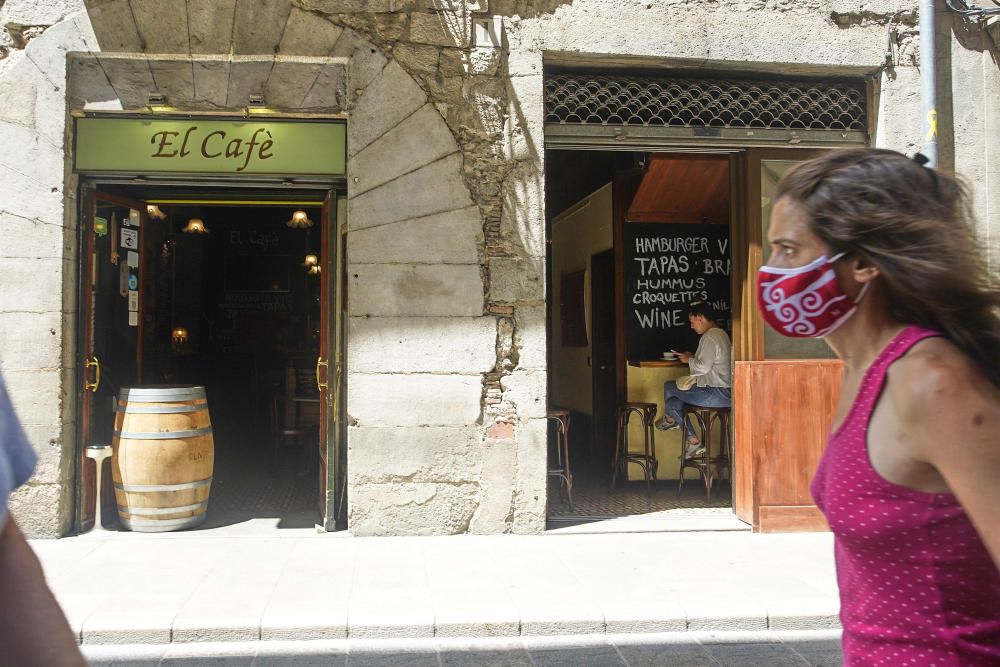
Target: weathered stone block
<point>46,131</point>
<point>418,344</point>
<point>434,188</point>
<point>387,100</point>
<point>440,29</point>
<point>433,455</point>
<point>48,52</point>
<point>17,102</point>
<point>46,440</point>
<point>132,79</point>
<point>258,25</point>
<point>329,92</point>
<point>352,6</point>
<point>88,84</point>
<point>418,140</point>
<point>289,83</point>
<point>174,78</point>
<point>210,25</point>
<point>247,77</point>
<point>530,483</point>
<point>454,62</point>
<point>522,217</point>
<point>37,395</point>
<point>164,27</point>
<point>54,522</point>
<point>527,390</point>
<point>115,28</point>
<point>31,341</point>
<point>38,12</point>
<point>390,290</point>
<point>308,34</point>
<point>522,58</point>
<point>33,198</point>
<point>211,80</point>
<point>411,509</point>
<point>525,127</point>
<point>515,279</point>
<point>414,400</point>
<point>454,237</point>
<point>366,61</point>
<point>417,57</point>
<point>31,287</point>
<point>496,503</point>
<point>530,337</point>
<point>898,95</point>
<point>29,237</point>
<point>484,62</point>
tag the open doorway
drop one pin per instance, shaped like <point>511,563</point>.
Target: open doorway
<point>635,238</point>
<point>228,291</point>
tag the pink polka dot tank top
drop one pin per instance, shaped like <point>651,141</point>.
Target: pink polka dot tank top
<point>917,586</point>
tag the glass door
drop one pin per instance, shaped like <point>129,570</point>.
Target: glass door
<point>784,390</point>
<point>111,354</point>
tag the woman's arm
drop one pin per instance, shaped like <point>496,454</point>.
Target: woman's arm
<point>953,415</point>
<point>703,360</point>
<point>33,630</point>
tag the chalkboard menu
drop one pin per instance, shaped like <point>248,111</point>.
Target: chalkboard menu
<point>667,266</point>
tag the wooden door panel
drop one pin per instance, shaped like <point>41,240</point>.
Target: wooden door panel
<point>783,414</point>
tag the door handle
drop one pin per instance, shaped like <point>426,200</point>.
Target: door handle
<point>96,364</point>
<point>320,385</point>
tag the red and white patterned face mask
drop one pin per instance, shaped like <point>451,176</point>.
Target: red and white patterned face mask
<point>805,301</point>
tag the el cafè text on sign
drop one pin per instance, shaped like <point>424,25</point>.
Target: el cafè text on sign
<point>214,144</point>
<point>209,146</point>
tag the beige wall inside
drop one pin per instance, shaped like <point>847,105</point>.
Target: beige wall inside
<point>646,384</point>
<point>583,230</point>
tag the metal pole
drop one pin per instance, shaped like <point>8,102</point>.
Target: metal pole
<point>928,81</point>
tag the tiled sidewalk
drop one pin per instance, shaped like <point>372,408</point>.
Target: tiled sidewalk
<point>129,588</point>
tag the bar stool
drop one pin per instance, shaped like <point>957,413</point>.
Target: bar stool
<point>705,462</point>
<point>99,453</point>
<point>561,418</point>
<point>647,459</point>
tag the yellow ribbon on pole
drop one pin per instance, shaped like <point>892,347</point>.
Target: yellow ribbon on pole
<point>932,124</point>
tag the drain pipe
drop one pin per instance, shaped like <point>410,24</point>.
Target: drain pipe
<point>928,81</point>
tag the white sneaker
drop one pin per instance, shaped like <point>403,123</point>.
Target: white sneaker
<point>694,451</point>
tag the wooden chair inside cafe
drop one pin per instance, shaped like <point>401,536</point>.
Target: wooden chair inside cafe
<point>294,413</point>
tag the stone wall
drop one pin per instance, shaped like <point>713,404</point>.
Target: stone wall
<point>446,368</point>
<point>38,255</point>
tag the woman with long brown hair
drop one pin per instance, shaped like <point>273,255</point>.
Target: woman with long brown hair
<point>877,254</point>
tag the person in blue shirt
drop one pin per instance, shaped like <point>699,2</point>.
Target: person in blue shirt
<point>33,629</point>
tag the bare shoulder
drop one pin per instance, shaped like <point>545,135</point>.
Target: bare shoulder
<point>938,386</point>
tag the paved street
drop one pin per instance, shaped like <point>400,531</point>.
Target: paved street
<point>695,649</point>
<point>630,597</point>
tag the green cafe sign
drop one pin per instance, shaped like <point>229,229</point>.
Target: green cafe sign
<point>193,145</point>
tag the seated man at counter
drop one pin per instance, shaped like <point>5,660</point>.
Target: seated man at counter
<point>712,372</point>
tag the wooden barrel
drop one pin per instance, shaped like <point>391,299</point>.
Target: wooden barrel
<point>163,457</point>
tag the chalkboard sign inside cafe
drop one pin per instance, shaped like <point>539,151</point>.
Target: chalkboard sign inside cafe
<point>667,266</point>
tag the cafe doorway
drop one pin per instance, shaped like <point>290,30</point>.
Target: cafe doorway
<point>235,290</point>
<point>635,237</point>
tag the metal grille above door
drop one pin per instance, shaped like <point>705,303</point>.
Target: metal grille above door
<point>593,109</point>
